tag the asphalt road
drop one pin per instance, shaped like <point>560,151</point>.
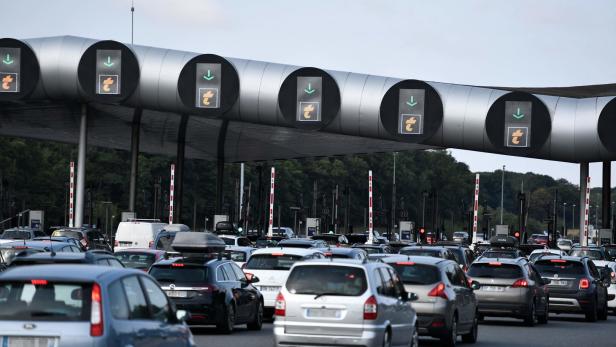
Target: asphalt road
<point>562,330</point>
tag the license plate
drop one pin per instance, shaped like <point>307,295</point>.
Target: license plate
<point>493,288</point>
<point>269,289</point>
<point>177,294</point>
<point>322,313</point>
<point>559,283</point>
<point>19,341</point>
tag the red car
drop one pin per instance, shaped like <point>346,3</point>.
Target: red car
<point>539,239</point>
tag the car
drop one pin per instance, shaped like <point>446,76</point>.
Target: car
<point>396,246</point>
<point>137,233</point>
<point>345,253</point>
<point>94,257</point>
<point>362,238</point>
<point>74,306</point>
<point>576,286</point>
<point>464,255</point>
<point>596,254</point>
<point>340,302</point>
<point>302,243</point>
<point>9,251</point>
<point>284,232</point>
<point>611,290</point>
<point>374,248</point>
<point>479,248</point>
<point>610,251</point>
<point>140,258</point>
<point>165,237</point>
<point>20,233</point>
<point>429,251</point>
<point>239,255</point>
<point>233,240</point>
<point>212,288</point>
<point>268,241</point>
<point>88,237</point>
<point>461,237</point>
<point>446,304</point>
<point>564,244</point>
<point>272,265</point>
<point>539,253</point>
<point>511,288</point>
<point>65,239</point>
<point>538,239</point>
<point>502,253</point>
<point>332,239</point>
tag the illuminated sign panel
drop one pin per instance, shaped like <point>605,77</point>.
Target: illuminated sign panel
<point>108,71</point>
<point>10,69</point>
<point>309,98</point>
<point>411,108</point>
<point>518,117</point>
<point>207,85</point>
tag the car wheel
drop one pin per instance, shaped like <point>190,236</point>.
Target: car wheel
<point>471,337</point>
<point>386,339</point>
<point>603,313</point>
<point>591,314</point>
<point>227,323</point>
<point>257,323</point>
<point>451,337</point>
<point>543,319</point>
<point>531,318</point>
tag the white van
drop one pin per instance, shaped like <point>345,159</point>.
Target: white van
<point>137,233</point>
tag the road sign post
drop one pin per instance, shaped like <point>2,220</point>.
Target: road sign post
<point>71,194</point>
<point>270,229</point>
<point>584,239</point>
<point>370,225</point>
<point>171,196</point>
<point>475,208</point>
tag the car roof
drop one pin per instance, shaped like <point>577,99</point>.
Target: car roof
<point>568,258</point>
<point>38,243</point>
<point>240,248</point>
<point>485,260</point>
<point>299,241</point>
<point>140,250</point>
<point>425,247</point>
<point>64,272</point>
<point>543,250</point>
<point>343,250</point>
<point>287,250</point>
<point>416,259</point>
<point>339,262</point>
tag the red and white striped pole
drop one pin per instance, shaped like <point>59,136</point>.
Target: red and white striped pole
<point>270,230</point>
<point>171,195</point>
<point>475,208</point>
<point>370,224</point>
<point>586,212</point>
<point>71,196</point>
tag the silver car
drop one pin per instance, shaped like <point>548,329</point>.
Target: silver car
<point>446,304</point>
<point>342,302</point>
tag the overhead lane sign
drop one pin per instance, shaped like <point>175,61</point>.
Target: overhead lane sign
<point>518,116</point>
<point>208,80</point>
<point>411,111</point>
<point>309,98</point>
<point>19,70</point>
<point>10,69</point>
<point>108,71</point>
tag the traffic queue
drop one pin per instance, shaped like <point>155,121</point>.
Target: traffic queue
<point>328,290</point>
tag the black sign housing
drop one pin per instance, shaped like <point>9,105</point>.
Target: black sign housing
<point>19,70</point>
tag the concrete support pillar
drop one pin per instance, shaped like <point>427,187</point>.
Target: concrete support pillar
<point>179,170</point>
<point>606,199</point>
<point>81,167</point>
<point>583,218</point>
<point>134,159</point>
<point>220,165</point>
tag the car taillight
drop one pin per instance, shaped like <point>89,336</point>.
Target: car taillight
<point>371,308</point>
<point>521,283</point>
<point>584,283</point>
<point>439,291</point>
<point>280,306</point>
<point>96,312</point>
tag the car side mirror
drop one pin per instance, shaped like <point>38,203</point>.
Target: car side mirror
<point>475,285</point>
<point>182,315</point>
<point>410,297</point>
<point>251,278</point>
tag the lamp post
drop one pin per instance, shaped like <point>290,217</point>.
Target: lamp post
<point>573,214</point>
<point>423,210</point>
<point>502,195</point>
<point>564,220</point>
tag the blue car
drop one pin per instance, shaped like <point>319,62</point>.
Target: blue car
<point>86,305</point>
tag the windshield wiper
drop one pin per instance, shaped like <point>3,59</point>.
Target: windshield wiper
<point>328,294</point>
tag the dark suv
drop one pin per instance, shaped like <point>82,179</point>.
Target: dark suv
<point>94,257</point>
<point>576,286</point>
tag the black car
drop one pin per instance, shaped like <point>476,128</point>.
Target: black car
<point>94,257</point>
<point>374,248</point>
<point>332,239</point>
<point>576,286</point>
<point>429,251</point>
<point>464,256</point>
<point>302,243</point>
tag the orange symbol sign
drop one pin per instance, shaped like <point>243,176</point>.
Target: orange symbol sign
<point>516,135</point>
<point>207,96</point>
<point>6,82</point>
<point>409,123</point>
<point>107,83</point>
<point>307,110</point>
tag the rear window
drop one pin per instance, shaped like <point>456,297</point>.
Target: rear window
<point>237,256</point>
<point>40,300</point>
<point>272,261</point>
<point>497,254</point>
<point>68,233</point>
<point>164,242</point>
<point>590,253</point>
<point>228,241</point>
<point>422,252</point>
<point>294,244</point>
<point>495,270</point>
<point>15,235</point>
<point>166,275</point>
<point>458,254</point>
<point>327,280</point>
<point>559,266</point>
<point>141,261</point>
<point>417,273</point>
<point>611,251</point>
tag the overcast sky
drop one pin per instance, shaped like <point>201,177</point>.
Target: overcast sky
<point>478,42</point>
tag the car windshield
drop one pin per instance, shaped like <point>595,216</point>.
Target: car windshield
<point>166,275</point>
<point>458,254</point>
<point>611,252</point>
<point>68,233</point>
<point>42,300</point>
<point>228,241</point>
<point>499,254</point>
<point>237,256</point>
<point>421,274</point>
<point>549,267</point>
<point>274,261</point>
<point>593,254</point>
<point>495,270</point>
<point>133,260</point>
<point>164,242</point>
<point>327,280</point>
<point>422,252</point>
<point>15,235</point>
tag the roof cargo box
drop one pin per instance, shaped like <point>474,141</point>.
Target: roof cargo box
<point>197,242</point>
<point>504,241</point>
